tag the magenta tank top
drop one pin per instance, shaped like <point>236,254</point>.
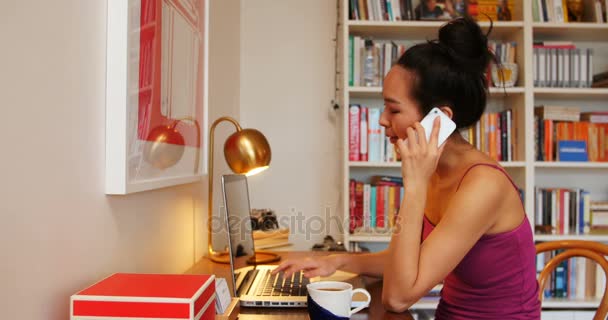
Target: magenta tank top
<point>495,280</point>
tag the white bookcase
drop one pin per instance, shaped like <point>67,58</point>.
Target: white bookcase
<point>526,172</point>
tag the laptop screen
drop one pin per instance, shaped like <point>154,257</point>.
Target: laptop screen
<point>238,219</point>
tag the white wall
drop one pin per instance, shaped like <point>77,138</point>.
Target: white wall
<point>58,230</point>
<point>287,67</point>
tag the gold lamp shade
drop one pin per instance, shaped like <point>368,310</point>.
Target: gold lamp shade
<point>247,152</point>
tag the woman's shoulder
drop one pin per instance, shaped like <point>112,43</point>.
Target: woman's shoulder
<point>485,174</point>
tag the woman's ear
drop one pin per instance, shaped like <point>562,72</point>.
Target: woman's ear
<point>448,111</point>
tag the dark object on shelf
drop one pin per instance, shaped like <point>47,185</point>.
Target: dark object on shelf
<point>600,80</point>
<point>264,219</point>
<point>329,244</point>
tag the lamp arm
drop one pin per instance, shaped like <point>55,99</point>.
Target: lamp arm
<point>210,172</point>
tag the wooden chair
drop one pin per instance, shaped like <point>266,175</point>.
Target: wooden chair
<point>576,248</point>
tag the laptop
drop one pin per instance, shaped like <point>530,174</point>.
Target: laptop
<point>253,284</point>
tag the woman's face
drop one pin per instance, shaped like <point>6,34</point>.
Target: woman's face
<point>401,111</point>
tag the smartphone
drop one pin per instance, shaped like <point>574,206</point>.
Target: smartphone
<point>445,130</point>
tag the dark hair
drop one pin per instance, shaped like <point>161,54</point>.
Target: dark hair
<point>450,70</point>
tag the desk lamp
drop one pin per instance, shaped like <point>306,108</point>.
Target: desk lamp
<point>247,152</point>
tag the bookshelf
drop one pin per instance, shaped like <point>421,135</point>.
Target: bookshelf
<point>525,170</point>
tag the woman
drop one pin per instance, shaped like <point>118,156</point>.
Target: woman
<point>460,202</point>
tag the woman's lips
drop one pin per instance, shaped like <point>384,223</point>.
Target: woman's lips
<point>393,140</point>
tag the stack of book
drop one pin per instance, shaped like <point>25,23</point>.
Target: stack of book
<point>557,11</point>
<point>367,139</point>
<point>387,53</point>
<point>561,64</point>
<point>397,10</point>
<point>271,238</point>
<point>375,204</point>
<point>566,134</point>
<point>562,211</point>
<point>494,134</point>
<point>575,278</point>
<point>599,217</point>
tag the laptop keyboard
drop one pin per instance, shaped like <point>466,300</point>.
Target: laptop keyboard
<point>278,284</point>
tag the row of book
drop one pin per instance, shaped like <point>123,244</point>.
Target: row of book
<point>398,10</point>
<point>495,134</point>
<point>574,278</point>
<point>564,211</point>
<point>504,51</point>
<point>560,136</point>
<point>366,137</point>
<point>374,205</point>
<point>558,11</point>
<point>562,65</point>
<point>385,54</point>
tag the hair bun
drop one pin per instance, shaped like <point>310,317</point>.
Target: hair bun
<point>465,43</point>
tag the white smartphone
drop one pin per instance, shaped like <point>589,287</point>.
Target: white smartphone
<point>445,130</point>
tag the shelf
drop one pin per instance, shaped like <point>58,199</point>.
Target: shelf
<point>563,303</point>
<point>365,92</point>
<point>580,31</point>
<point>363,164</point>
<point>495,91</point>
<point>553,237</point>
<point>574,165</point>
<point>578,93</point>
<point>376,92</point>
<point>369,238</point>
<point>422,30</point>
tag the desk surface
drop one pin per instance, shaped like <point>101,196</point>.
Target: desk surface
<point>373,285</point>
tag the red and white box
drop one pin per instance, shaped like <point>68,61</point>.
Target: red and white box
<point>147,296</point>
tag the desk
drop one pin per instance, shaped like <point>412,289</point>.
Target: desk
<point>373,285</point>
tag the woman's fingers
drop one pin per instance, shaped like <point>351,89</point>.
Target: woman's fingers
<point>435,132</point>
<point>421,135</point>
<point>412,140</point>
<point>290,266</point>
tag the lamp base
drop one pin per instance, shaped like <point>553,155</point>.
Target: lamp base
<point>261,257</point>
<point>220,257</point>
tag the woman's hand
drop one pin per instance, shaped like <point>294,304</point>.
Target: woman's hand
<point>319,266</point>
<point>419,158</point>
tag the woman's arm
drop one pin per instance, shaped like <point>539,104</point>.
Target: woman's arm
<point>370,264</point>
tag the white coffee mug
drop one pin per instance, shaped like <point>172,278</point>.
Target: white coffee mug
<point>336,297</point>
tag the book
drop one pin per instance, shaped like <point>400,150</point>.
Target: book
<point>150,296</point>
<point>595,116</point>
<point>386,180</point>
<point>354,129</point>
<point>571,150</point>
<point>271,238</point>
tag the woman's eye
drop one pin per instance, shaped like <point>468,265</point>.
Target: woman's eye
<point>394,111</point>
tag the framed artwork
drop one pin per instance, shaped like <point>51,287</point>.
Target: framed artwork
<point>156,93</point>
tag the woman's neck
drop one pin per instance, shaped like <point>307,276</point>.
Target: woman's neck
<point>456,150</point>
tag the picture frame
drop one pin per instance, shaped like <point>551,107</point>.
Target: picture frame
<point>156,94</point>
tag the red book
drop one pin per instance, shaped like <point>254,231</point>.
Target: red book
<point>359,204</point>
<point>149,296</point>
<point>354,134</point>
<point>380,206</point>
<point>352,203</point>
